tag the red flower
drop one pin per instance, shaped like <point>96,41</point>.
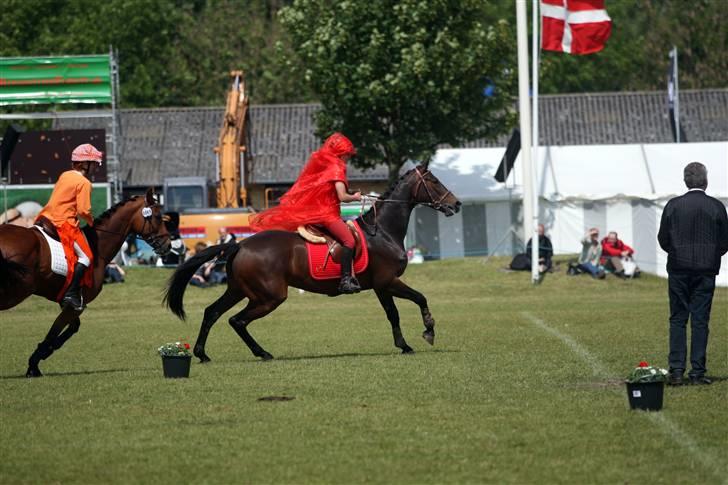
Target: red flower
<point>644,364</point>
<point>187,346</point>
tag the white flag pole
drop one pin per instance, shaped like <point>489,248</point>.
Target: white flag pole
<point>525,116</point>
<point>535,52</point>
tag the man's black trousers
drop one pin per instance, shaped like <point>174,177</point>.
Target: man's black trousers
<point>691,296</point>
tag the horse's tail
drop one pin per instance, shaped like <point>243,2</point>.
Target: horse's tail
<point>177,284</point>
<point>11,273</point>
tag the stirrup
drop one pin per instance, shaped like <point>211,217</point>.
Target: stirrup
<point>349,285</point>
<point>75,303</point>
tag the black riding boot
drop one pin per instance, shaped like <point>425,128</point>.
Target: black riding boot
<point>348,284</point>
<point>73,297</point>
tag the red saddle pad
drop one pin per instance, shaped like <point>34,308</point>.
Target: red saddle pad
<point>323,268</point>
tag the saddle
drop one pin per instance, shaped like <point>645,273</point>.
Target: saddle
<point>317,235</point>
<point>48,227</point>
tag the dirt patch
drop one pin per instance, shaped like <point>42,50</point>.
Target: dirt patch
<point>276,398</point>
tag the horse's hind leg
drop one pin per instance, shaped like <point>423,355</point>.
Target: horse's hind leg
<point>212,313</point>
<point>254,310</point>
<point>393,316</point>
<point>401,290</point>
<point>46,348</point>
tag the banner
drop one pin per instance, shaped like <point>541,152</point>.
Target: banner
<point>51,80</point>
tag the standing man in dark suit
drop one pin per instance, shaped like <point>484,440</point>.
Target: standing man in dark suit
<point>694,233</point>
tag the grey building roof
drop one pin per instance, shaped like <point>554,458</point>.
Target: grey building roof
<point>172,142</point>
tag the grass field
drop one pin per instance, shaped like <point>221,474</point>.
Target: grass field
<point>523,385</point>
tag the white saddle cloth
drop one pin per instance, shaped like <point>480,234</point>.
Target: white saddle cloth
<point>59,265</point>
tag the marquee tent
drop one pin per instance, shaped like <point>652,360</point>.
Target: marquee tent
<point>619,188</point>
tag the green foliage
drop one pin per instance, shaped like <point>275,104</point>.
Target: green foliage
<point>401,78</point>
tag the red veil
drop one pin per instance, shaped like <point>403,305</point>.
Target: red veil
<point>312,199</point>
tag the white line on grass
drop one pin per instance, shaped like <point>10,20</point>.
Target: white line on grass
<point>665,425</point>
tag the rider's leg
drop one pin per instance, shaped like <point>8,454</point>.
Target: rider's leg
<point>73,297</point>
<point>341,232</point>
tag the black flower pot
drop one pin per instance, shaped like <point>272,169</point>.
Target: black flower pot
<point>645,395</point>
<point>176,365</point>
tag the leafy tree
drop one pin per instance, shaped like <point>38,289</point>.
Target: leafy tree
<point>402,77</point>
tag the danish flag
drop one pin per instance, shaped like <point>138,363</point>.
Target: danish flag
<point>575,26</point>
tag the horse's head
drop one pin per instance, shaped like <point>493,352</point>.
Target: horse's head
<point>147,223</point>
<point>428,190</point>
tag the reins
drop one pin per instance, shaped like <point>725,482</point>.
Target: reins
<point>435,204</point>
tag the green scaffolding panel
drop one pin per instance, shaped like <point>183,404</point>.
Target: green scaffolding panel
<point>17,194</point>
<point>50,80</point>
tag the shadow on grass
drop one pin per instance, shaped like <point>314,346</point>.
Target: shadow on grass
<point>76,373</point>
<point>359,354</point>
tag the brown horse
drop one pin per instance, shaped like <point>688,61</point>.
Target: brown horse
<point>25,264</point>
<point>262,267</point>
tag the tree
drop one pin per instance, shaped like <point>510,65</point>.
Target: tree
<point>402,77</point>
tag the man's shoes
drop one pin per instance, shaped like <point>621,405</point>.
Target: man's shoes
<point>675,380</point>
<point>700,381</point>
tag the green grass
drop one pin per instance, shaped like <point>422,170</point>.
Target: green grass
<point>522,386</point>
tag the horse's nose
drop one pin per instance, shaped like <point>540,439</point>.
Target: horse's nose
<point>458,204</point>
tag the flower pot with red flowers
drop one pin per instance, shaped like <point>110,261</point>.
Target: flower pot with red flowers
<point>646,387</point>
<point>176,359</point>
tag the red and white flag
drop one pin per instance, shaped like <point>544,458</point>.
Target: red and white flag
<point>574,26</point>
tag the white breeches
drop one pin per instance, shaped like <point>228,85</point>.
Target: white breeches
<point>82,257</point>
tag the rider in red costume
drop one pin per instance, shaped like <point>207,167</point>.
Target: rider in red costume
<point>314,199</point>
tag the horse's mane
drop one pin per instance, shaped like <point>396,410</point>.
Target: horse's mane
<point>110,211</point>
<point>388,193</point>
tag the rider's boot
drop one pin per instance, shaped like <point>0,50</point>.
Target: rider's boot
<point>348,284</point>
<point>73,297</point>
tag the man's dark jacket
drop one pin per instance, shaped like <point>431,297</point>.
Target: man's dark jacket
<point>694,233</point>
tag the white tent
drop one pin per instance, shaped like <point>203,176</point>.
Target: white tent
<point>619,188</point>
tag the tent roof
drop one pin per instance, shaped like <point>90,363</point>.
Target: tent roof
<point>585,172</point>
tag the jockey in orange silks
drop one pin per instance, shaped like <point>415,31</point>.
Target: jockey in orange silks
<point>314,199</point>
<point>71,200</point>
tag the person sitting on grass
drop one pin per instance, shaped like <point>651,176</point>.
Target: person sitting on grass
<point>591,253</point>
<point>614,253</point>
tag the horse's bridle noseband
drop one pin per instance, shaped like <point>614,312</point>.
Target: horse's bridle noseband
<point>435,204</point>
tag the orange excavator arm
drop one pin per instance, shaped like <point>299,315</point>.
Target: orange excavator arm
<point>232,146</point>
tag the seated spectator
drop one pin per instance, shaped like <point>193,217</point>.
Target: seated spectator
<point>522,261</point>
<point>207,275</point>
<point>591,253</point>
<point>614,253</point>
<point>113,273</point>
<point>225,236</point>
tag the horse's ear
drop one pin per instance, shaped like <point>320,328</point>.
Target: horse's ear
<point>149,196</point>
<point>426,164</point>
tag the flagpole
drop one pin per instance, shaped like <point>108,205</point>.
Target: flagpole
<point>677,96</point>
<point>535,52</point>
<point>525,118</point>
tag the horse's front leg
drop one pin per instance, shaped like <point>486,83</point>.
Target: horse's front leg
<point>49,344</point>
<point>400,290</point>
<point>385,298</point>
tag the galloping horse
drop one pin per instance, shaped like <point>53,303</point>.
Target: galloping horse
<point>263,266</point>
<point>25,264</point>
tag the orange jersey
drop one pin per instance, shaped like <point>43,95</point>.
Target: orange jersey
<point>71,199</point>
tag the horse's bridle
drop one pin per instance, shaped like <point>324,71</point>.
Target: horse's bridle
<point>435,204</point>
<point>154,241</point>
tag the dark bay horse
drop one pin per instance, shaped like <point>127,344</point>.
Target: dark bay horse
<point>263,266</point>
<point>25,264</point>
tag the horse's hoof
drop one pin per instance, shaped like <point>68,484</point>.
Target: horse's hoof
<point>204,359</point>
<point>429,337</point>
<point>266,356</point>
<point>407,350</point>
<point>33,373</point>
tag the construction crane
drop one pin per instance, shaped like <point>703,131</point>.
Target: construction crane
<point>231,153</point>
